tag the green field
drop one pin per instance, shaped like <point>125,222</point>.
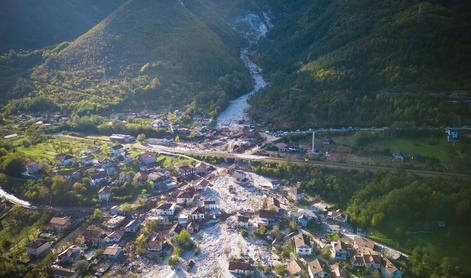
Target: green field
<point>433,147</point>
<point>49,148</point>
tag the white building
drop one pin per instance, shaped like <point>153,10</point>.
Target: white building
<point>166,209</point>
<point>104,194</point>
<point>302,244</point>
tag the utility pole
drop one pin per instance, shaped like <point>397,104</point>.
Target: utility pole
<point>313,141</point>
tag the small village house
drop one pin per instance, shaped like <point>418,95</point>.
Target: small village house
<point>140,179</point>
<point>117,149</point>
<point>115,222</point>
<point>210,204</point>
<point>104,194</point>
<point>336,271</point>
<point>98,178</point>
<point>202,169</point>
<point>113,252</point>
<point>166,209</point>
<point>182,219</point>
<point>62,272</point>
<point>70,255</point>
<point>186,197</point>
<point>184,170</point>
<point>38,247</point>
<point>339,250</point>
<point>389,270</point>
<point>147,158</point>
<point>338,216</point>
<point>266,217</point>
<point>318,269</point>
<point>198,213</point>
<point>59,224</point>
<point>132,226</point>
<point>158,180</point>
<point>295,268</point>
<point>155,243</point>
<point>302,245</point>
<point>114,237</point>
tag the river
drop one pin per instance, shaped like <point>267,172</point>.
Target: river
<point>14,199</point>
<point>253,27</point>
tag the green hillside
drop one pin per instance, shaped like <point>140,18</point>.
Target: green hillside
<point>151,54</point>
<point>366,62</point>
<point>33,24</point>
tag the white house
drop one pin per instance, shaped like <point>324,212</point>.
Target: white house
<point>185,197</point>
<point>104,194</point>
<point>114,237</point>
<point>302,244</point>
<point>166,209</point>
<point>132,226</point>
<point>339,250</point>
<point>115,221</point>
<point>182,219</point>
<point>210,204</point>
<point>198,213</point>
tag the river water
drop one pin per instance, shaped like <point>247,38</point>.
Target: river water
<point>13,199</point>
<point>253,27</point>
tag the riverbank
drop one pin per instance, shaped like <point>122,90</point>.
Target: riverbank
<point>253,28</point>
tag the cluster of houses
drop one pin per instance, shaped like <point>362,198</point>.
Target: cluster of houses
<point>182,206</point>
<point>345,254</point>
<point>43,119</point>
<point>181,209</point>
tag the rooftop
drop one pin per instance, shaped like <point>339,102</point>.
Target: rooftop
<point>60,221</point>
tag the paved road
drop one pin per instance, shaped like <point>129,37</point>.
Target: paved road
<point>326,164</point>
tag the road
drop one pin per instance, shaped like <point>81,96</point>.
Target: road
<point>189,152</point>
<point>327,164</point>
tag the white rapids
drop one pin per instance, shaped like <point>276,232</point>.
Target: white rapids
<point>253,27</point>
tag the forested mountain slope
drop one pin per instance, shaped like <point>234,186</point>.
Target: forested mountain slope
<point>366,62</point>
<point>33,24</point>
<point>155,54</point>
